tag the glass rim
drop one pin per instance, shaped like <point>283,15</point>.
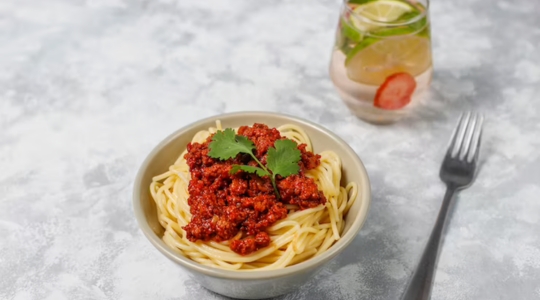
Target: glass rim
<point>383,23</point>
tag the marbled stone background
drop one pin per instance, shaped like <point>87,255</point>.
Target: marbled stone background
<point>87,88</point>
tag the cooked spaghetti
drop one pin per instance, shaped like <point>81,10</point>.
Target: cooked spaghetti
<point>304,229</point>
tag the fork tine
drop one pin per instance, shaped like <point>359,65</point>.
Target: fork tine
<point>460,132</point>
<point>468,136</point>
<point>476,139</point>
<point>452,141</point>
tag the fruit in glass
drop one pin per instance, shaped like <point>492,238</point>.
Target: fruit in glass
<point>381,64</point>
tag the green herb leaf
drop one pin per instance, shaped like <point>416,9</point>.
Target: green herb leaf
<point>349,31</point>
<point>256,170</point>
<point>283,158</point>
<point>360,1</point>
<point>425,32</point>
<point>394,31</point>
<point>226,144</point>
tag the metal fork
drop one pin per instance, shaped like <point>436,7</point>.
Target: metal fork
<point>458,172</point>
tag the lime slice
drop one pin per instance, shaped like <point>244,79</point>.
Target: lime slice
<point>373,63</point>
<point>379,11</point>
<point>383,10</point>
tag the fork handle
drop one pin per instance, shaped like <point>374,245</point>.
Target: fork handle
<point>419,287</point>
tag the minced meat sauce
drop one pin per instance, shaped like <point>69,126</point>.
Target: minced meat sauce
<point>222,204</point>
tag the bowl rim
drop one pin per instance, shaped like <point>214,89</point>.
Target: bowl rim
<point>340,245</point>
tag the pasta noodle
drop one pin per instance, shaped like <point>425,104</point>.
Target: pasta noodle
<point>303,234</point>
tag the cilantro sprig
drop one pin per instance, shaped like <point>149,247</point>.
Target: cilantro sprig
<point>282,159</point>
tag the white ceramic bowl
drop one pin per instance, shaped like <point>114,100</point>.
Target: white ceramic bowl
<point>253,284</point>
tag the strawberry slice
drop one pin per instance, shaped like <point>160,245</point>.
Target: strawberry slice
<point>395,92</point>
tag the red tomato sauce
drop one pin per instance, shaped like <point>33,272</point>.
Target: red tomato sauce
<point>222,205</point>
